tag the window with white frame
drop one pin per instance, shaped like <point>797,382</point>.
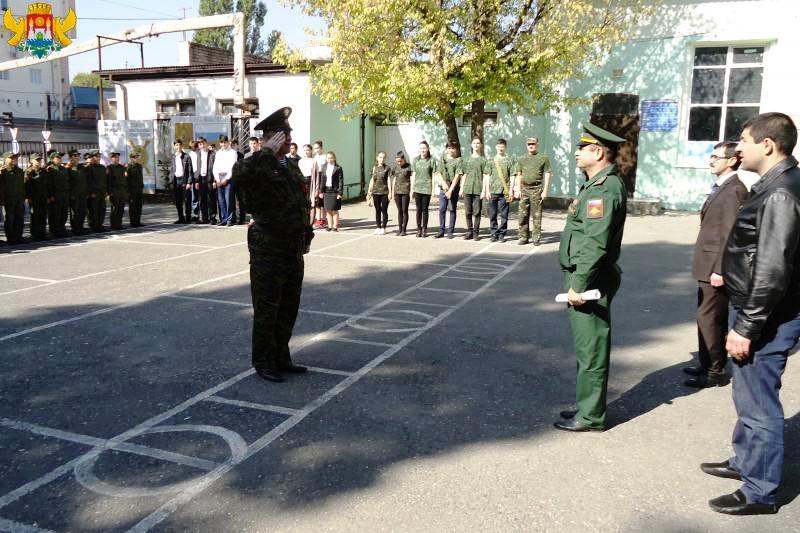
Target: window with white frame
<point>726,91</point>
<point>175,107</point>
<point>36,75</point>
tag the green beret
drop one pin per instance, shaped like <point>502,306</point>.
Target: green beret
<point>279,120</point>
<point>593,134</point>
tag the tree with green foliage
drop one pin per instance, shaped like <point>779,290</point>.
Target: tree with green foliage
<point>87,79</point>
<point>254,12</point>
<point>436,59</point>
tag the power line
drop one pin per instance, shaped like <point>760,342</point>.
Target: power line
<point>139,8</point>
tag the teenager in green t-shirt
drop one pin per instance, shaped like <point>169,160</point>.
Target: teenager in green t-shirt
<point>422,185</point>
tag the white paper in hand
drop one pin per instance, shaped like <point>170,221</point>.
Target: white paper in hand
<point>593,294</point>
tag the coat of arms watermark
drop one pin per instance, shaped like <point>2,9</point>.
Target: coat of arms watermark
<point>39,32</point>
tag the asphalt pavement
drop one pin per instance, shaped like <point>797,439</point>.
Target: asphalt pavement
<point>438,366</point>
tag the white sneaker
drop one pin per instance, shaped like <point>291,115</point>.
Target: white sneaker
<point>377,231</point>
<point>382,231</point>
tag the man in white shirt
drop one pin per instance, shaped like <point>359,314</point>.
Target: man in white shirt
<point>224,159</point>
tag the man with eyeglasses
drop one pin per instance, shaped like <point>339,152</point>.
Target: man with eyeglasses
<point>716,220</point>
<point>531,183</point>
<point>589,250</point>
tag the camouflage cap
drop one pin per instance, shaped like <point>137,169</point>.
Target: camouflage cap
<point>279,120</point>
<point>35,155</point>
<point>87,155</point>
<point>54,153</point>
<point>73,152</point>
<point>112,154</point>
<point>8,154</point>
<point>593,134</point>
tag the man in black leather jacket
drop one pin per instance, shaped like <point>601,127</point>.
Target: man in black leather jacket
<point>760,268</point>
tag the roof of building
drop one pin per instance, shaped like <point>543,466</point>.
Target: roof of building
<point>87,96</point>
<point>190,71</point>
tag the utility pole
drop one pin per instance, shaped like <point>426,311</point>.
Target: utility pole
<point>184,9</point>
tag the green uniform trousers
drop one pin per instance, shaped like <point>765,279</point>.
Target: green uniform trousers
<point>591,333</point>
<point>530,206</point>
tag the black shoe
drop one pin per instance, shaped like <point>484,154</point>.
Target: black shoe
<point>269,374</point>
<point>537,242</point>
<point>695,370</point>
<point>230,224</point>
<point>575,426</point>
<point>502,239</point>
<point>419,233</point>
<point>468,236</point>
<point>292,368</point>
<point>403,233</point>
<point>705,381</point>
<point>720,470</point>
<point>424,233</point>
<point>213,222</point>
<point>450,235</point>
<point>241,222</point>
<point>566,414</point>
<point>180,221</point>
<point>477,236</point>
<point>439,235</point>
<point>493,238</point>
<point>196,222</point>
<point>222,224</point>
<point>736,503</point>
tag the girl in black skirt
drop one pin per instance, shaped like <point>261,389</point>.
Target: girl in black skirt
<point>331,188</point>
<point>379,192</point>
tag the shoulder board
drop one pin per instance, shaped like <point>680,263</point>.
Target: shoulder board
<point>601,180</point>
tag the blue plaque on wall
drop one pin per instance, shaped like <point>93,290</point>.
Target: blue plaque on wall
<point>659,115</point>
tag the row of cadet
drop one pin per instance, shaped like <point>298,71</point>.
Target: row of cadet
<point>499,180</point>
<point>56,191</point>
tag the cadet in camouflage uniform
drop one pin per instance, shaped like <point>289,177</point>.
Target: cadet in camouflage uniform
<point>589,250</point>
<point>400,189</point>
<point>135,178</point>
<point>423,167</point>
<point>117,190</point>
<point>497,188</point>
<point>98,190</point>
<point>78,187</point>
<point>38,194</point>
<point>277,237</point>
<point>531,183</point>
<point>448,183</point>
<point>12,196</point>
<point>58,185</point>
<point>475,167</point>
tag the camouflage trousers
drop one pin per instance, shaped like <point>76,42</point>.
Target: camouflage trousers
<point>530,207</point>
<point>276,281</point>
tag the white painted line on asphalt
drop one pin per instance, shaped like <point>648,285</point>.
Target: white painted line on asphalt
<point>444,290</point>
<point>61,322</point>
<point>251,405</point>
<point>357,341</point>
<point>15,527</point>
<point>321,370</point>
<point>212,280</point>
<point>136,449</point>
<point>248,304</point>
<point>464,277</point>
<point>128,241</point>
<point>170,507</point>
<point>422,303</point>
<point>48,281</point>
<point>372,260</point>
<point>387,319</point>
<point>315,252</point>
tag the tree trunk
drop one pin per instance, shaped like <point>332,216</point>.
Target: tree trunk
<point>451,126</point>
<point>478,118</point>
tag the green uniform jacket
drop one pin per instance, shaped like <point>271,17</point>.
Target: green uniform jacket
<point>277,197</point>
<point>380,179</point>
<point>78,181</point>
<point>58,181</point>
<point>135,178</point>
<point>474,169</point>
<point>98,182</point>
<point>36,186</point>
<point>117,182</point>
<point>423,178</point>
<point>532,169</point>
<point>450,168</point>
<point>402,179</point>
<point>592,236</point>
<point>506,165</point>
<point>12,185</point>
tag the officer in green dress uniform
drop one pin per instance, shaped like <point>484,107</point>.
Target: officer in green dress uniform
<point>117,190</point>
<point>58,185</point>
<point>98,190</point>
<point>135,177</point>
<point>532,180</point>
<point>475,168</point>
<point>38,194</point>
<point>278,235</point>
<point>497,189</point>
<point>12,196</point>
<point>590,248</point>
<point>78,190</point>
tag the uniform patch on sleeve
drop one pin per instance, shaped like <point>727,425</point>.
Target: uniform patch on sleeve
<point>594,208</point>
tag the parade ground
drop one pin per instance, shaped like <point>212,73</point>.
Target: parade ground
<point>437,367</point>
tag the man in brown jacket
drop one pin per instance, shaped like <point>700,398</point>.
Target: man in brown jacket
<point>716,220</point>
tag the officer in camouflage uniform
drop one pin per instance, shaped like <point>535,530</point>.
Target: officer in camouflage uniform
<point>38,194</point>
<point>58,185</point>
<point>590,248</point>
<point>279,234</point>
<point>98,190</point>
<point>78,190</point>
<point>117,190</point>
<point>531,183</point>
<point>135,177</point>
<point>497,188</point>
<point>12,196</point>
